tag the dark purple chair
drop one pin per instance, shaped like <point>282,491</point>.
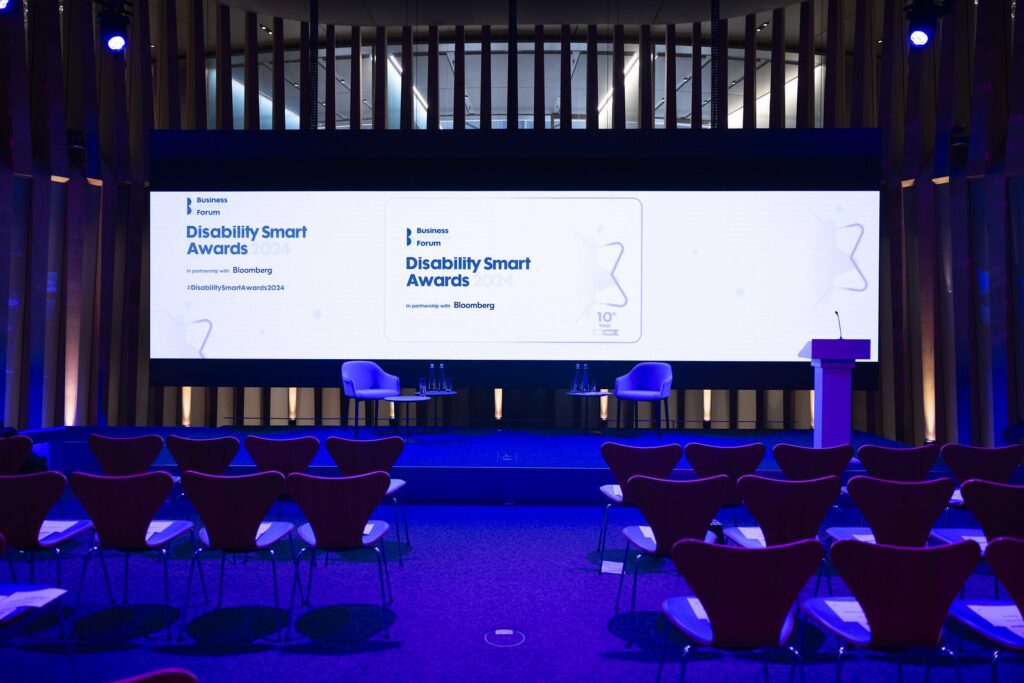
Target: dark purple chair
<point>626,462</point>
<point>898,464</point>
<point>744,599</point>
<point>287,456</point>
<point>786,511</point>
<point>901,596</point>
<point>988,464</point>
<point>25,500</point>
<point>675,510</point>
<point>645,382</point>
<point>376,455</point>
<point>338,510</point>
<point>732,461</point>
<point>163,676</point>
<point>364,380</point>
<point>119,457</point>
<point>232,510</point>
<point>122,511</point>
<point>209,456</point>
<point>999,509</point>
<point>898,513</point>
<point>14,450</point>
<point>1006,557</point>
<point>801,462</point>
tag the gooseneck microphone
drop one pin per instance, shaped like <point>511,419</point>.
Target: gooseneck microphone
<point>840,321</point>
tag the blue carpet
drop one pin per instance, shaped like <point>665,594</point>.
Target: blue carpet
<point>470,571</point>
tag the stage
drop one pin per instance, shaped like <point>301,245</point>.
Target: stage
<point>457,465</point>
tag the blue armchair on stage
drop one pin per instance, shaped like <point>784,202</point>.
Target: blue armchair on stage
<point>645,382</point>
<point>364,380</point>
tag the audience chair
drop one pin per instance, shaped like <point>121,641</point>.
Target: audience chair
<point>901,596</point>
<point>376,455</point>
<point>996,465</point>
<point>628,461</point>
<point>898,464</point>
<point>119,457</point>
<point>232,510</point>
<point>287,456</point>
<point>209,456</point>
<point>732,461</point>
<point>645,382</point>
<point>364,380</point>
<point>122,510</point>
<point>338,510</point>
<point>675,510</point>
<point>743,599</point>
<point>14,451</point>
<point>999,509</point>
<point>801,462</point>
<point>897,512</point>
<point>991,619</point>
<point>25,500</point>
<point>163,676</point>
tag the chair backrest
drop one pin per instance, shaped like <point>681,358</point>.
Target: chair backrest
<point>999,508</point>
<point>732,461</point>
<point>364,374</point>
<point>128,455</point>
<point>628,461</point>
<point>905,592</point>
<point>162,676</point>
<point>338,507</point>
<point>647,377</point>
<point>286,456</point>
<point>788,511</point>
<point>359,457</point>
<point>121,508</point>
<point>975,462</point>
<point>209,456</point>
<point>1006,558</point>
<point>898,464</point>
<point>678,509</point>
<point>900,512</point>
<point>25,500</point>
<point>747,593</point>
<point>14,450</point>
<point>233,507</point>
<point>802,462</point>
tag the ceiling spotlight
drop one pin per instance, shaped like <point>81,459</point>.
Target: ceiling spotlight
<point>923,20</point>
<point>113,20</point>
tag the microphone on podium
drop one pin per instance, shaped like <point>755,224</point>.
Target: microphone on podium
<point>840,321</point>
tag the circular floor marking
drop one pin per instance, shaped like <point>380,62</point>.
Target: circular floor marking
<point>504,637</point>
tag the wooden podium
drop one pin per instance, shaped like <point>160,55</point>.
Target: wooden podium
<point>833,361</point>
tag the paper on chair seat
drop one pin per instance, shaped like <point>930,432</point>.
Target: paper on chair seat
<point>849,611</point>
<point>698,608</point>
<point>39,598</point>
<point>980,540</point>
<point>957,497</point>
<point>866,538</point>
<point>264,527</point>
<point>754,533</point>
<point>54,527</point>
<point>157,527</point>
<point>610,567</point>
<point>648,532</point>
<point>1005,616</point>
<point>616,490</point>
<point>367,529</point>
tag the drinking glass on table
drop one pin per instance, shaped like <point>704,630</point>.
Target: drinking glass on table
<point>423,386</point>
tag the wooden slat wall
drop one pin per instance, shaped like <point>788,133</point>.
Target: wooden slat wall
<point>74,126</point>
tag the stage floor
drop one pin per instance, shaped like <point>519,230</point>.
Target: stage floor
<point>476,465</point>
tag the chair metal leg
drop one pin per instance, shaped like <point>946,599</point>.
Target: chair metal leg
<point>81,585</point>
<point>220,590</point>
<point>797,664</point>
<point>632,603</point>
<point>618,413</point>
<point>167,591</point>
<point>602,538</point>
<point>387,574</point>
<point>839,662</point>
<point>682,663</point>
<point>398,529</point>
<point>309,578</point>
<point>657,415</point>
<point>106,576</point>
<point>405,525</point>
<point>188,593</point>
<point>356,433</point>
<point>622,575</point>
<point>277,598</point>
<point>291,600</point>
<point>995,659</point>
<point>60,577</point>
<point>383,599</point>
<point>199,566</point>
